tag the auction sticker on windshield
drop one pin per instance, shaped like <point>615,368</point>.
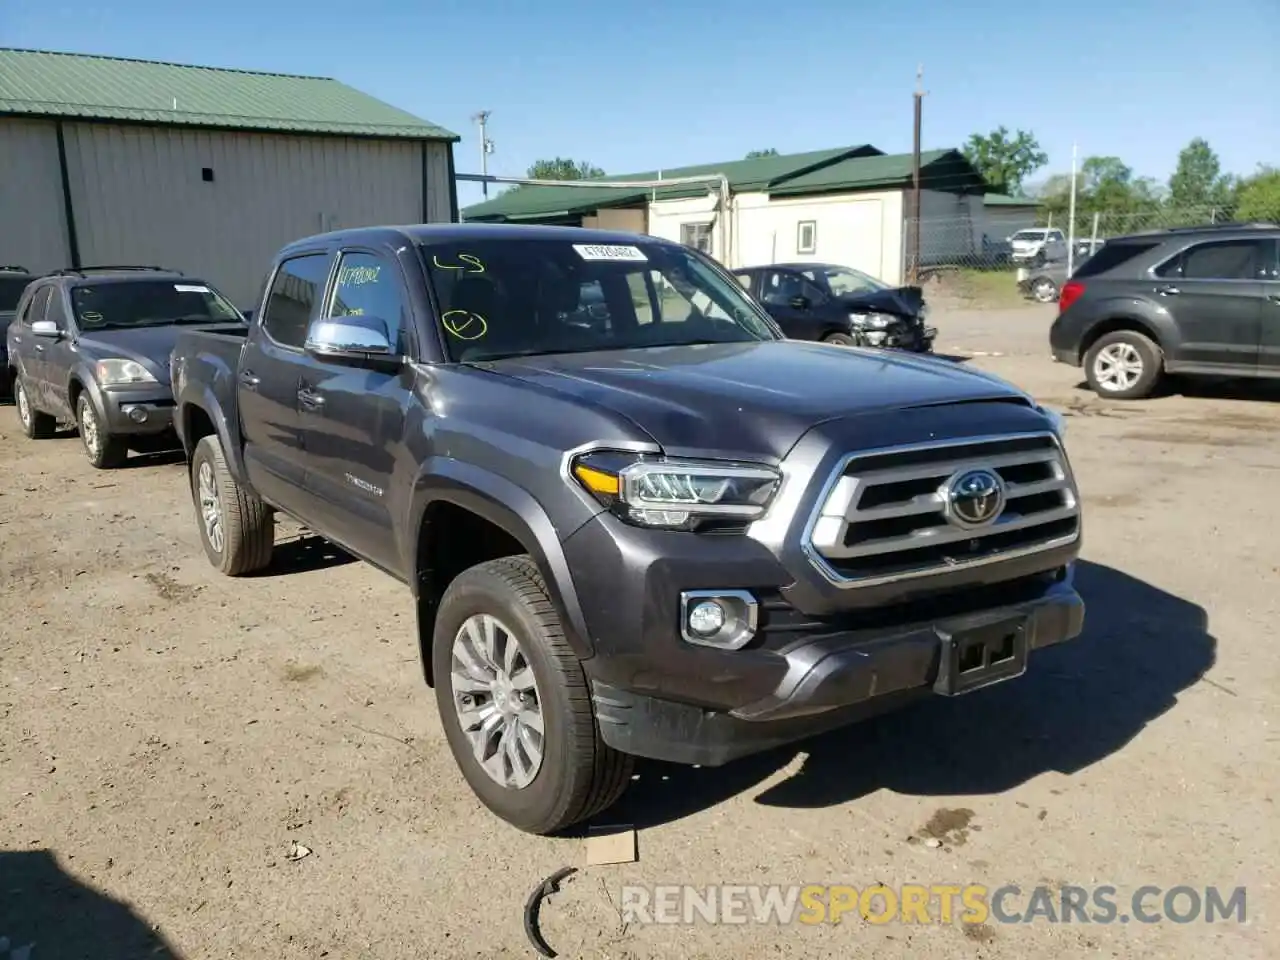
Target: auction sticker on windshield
<point>189,288</point>
<point>596,251</point>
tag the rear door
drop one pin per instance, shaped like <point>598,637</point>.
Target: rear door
<point>353,417</point>
<point>271,373</point>
<point>1213,291</point>
<point>1269,332</point>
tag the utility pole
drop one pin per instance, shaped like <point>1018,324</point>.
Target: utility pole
<point>486,147</point>
<point>1071,216</point>
<point>918,98</point>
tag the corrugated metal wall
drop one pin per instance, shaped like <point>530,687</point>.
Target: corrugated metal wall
<point>139,196</point>
<point>32,223</point>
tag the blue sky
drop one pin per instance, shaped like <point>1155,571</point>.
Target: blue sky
<point>642,85</point>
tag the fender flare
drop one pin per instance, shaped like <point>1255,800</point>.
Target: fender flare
<point>204,400</point>
<point>83,375</point>
<point>512,508</point>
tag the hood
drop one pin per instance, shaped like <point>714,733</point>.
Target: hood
<point>149,346</point>
<point>901,301</point>
<point>751,400</point>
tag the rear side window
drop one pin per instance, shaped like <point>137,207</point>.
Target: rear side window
<point>298,285</point>
<point>1110,256</point>
<point>1217,260</point>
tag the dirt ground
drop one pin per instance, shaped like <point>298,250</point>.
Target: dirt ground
<point>167,735</point>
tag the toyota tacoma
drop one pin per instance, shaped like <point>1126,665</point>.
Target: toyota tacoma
<point>668,532</point>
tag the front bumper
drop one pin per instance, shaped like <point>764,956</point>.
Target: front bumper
<point>916,338</point>
<point>137,411</point>
<point>827,682</point>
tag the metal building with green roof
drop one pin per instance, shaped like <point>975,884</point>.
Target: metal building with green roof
<point>203,169</point>
<point>848,205</point>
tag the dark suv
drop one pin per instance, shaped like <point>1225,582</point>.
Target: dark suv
<point>1194,300</point>
<point>92,345</point>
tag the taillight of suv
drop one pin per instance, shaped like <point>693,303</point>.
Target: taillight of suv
<point>1071,291</point>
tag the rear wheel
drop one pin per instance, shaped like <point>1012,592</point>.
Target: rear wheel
<point>840,339</point>
<point>237,529</point>
<point>103,450</point>
<point>36,425</point>
<point>1124,364</point>
<point>515,704</point>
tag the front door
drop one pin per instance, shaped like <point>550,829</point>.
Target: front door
<point>269,375</point>
<point>1214,293</point>
<point>793,302</point>
<point>353,417</point>
<point>60,357</point>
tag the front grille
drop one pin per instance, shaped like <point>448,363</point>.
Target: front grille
<point>887,515</point>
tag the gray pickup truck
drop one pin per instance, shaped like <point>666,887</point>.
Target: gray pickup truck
<point>667,532</point>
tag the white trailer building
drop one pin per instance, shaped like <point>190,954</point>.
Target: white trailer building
<point>203,170</point>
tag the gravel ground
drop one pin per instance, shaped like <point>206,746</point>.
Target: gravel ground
<point>168,735</point>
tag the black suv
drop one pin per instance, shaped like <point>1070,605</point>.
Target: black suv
<point>92,345</point>
<point>1193,300</point>
<point>13,280</point>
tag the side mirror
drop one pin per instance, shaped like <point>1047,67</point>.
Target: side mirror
<point>351,339</point>
<point>46,328</point>
<point>800,303</point>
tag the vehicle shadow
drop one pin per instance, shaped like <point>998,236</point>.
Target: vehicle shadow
<point>302,554</point>
<point>55,915</point>
<point>1211,388</point>
<point>953,357</point>
<point>153,458</point>
<point>1075,705</point>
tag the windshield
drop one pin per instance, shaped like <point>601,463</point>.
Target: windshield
<point>843,281</point>
<point>1036,235</point>
<point>148,303</point>
<point>503,298</point>
<point>11,292</point>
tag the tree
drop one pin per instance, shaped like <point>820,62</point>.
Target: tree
<point>1198,179</point>
<point>561,168</point>
<point>1003,160</point>
<point>1258,196</point>
<point>757,154</point>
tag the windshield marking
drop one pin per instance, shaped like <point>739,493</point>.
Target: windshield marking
<point>467,258</point>
<point>456,326</point>
<point>602,251</point>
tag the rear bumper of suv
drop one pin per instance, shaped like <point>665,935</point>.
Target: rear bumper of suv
<point>838,678</point>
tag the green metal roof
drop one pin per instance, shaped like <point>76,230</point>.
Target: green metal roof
<point>41,83</point>
<point>759,173</point>
<point>1004,200</point>
<point>939,170</point>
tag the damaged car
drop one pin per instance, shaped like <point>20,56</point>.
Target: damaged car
<point>841,305</point>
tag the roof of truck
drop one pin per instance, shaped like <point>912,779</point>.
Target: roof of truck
<point>453,232</point>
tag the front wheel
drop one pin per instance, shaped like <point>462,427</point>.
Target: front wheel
<point>103,450</point>
<point>237,530</point>
<point>36,425</point>
<point>840,339</point>
<point>515,704</point>
<point>1125,365</point>
<point>1044,290</point>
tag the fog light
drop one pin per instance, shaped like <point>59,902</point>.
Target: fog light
<point>718,618</point>
<point>706,618</point>
<point>136,414</point>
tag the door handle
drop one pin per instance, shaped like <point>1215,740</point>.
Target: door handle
<point>248,379</point>
<point>308,398</point>
<point>39,348</point>
<point>1168,290</point>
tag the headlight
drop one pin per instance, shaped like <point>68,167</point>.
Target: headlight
<point>870,321</point>
<point>111,372</point>
<point>675,494</point>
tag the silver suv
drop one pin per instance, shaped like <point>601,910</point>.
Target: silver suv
<point>1038,245</point>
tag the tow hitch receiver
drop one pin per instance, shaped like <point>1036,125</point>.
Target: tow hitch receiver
<point>980,656</point>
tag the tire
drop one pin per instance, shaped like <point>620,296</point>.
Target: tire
<point>247,524</point>
<point>840,339</point>
<point>578,775</point>
<point>1044,290</point>
<point>36,425</point>
<point>1143,359</point>
<point>103,450</point>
